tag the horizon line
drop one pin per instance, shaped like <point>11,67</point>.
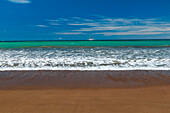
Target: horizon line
<point>83,40</point>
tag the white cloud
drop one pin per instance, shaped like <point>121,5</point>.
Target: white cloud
<point>78,18</point>
<point>54,24</point>
<point>41,26</point>
<point>72,24</point>
<point>107,26</point>
<point>129,33</point>
<point>52,20</point>
<point>122,26</point>
<point>20,1</point>
<point>156,29</point>
<point>70,33</point>
<point>84,24</point>
<point>82,19</point>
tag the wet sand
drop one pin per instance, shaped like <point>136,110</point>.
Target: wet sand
<point>85,92</point>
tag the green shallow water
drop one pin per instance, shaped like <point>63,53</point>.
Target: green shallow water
<point>150,43</point>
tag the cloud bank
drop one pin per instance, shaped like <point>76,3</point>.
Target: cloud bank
<point>20,1</point>
<point>108,26</point>
<point>41,26</point>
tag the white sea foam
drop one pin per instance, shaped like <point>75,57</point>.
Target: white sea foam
<point>85,59</point>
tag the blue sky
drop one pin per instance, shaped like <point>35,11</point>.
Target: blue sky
<point>84,19</point>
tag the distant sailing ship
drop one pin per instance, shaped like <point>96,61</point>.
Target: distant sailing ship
<point>91,39</point>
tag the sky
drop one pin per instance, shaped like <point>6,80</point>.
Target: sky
<point>84,19</point>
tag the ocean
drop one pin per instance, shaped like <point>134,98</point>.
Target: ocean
<point>85,55</point>
<point>141,43</point>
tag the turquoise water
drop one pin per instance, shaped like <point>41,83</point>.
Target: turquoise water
<point>85,55</point>
<point>84,43</point>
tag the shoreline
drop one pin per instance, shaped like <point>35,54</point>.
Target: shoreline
<point>84,70</point>
<point>46,79</point>
<point>68,46</point>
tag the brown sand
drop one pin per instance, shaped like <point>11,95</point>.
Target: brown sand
<point>90,92</point>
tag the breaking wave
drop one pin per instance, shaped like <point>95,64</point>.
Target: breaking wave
<point>99,58</point>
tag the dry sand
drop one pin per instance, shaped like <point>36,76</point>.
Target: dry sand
<point>90,92</point>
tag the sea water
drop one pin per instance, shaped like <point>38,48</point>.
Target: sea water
<point>141,43</point>
<point>87,57</point>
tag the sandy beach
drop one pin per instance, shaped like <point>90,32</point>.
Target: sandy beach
<point>85,92</point>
